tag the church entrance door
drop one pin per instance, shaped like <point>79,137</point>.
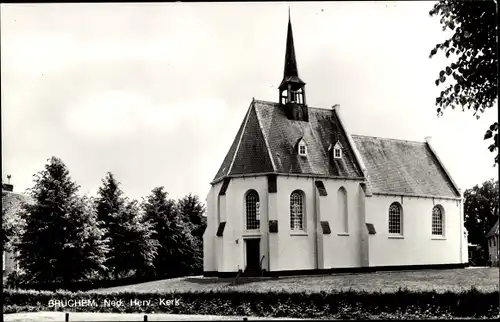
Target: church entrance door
<point>252,256</point>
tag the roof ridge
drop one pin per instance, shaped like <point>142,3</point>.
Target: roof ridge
<point>276,103</point>
<point>247,116</point>
<point>388,139</point>
<point>266,142</point>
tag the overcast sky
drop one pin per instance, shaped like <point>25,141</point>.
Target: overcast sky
<point>155,92</point>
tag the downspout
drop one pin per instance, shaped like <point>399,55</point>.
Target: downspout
<point>461,231</point>
<point>316,241</point>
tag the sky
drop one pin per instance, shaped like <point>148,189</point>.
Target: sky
<point>155,92</point>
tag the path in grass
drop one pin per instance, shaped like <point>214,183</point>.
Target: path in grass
<point>78,316</point>
<point>485,279</point>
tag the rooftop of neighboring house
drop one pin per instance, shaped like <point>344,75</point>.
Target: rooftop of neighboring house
<point>12,201</point>
<point>493,231</point>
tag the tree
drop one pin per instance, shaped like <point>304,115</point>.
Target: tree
<point>473,75</point>
<point>192,210</point>
<point>139,244</point>
<point>177,251</point>
<point>132,249</point>
<point>61,241</point>
<point>481,207</point>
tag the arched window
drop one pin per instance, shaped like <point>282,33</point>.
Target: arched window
<point>395,219</point>
<point>342,209</point>
<point>253,214</point>
<point>437,221</point>
<point>297,210</point>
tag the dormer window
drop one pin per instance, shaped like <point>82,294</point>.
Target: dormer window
<point>337,153</point>
<point>302,148</point>
<point>337,150</point>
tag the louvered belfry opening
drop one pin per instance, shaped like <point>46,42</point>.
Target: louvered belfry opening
<point>292,88</point>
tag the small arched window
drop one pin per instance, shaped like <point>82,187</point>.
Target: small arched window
<point>437,221</point>
<point>253,213</point>
<point>297,210</point>
<point>342,209</point>
<point>395,219</point>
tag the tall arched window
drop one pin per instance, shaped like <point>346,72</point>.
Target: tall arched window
<point>395,219</point>
<point>437,221</point>
<point>297,210</point>
<point>253,214</point>
<point>342,209</point>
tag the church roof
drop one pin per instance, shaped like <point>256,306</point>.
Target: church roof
<point>397,166</point>
<point>266,143</point>
<point>493,231</point>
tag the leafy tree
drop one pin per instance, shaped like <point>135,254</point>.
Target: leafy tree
<point>177,251</point>
<point>7,230</point>
<point>140,244</point>
<point>481,207</point>
<point>131,247</point>
<point>192,210</point>
<point>61,241</point>
<point>472,75</point>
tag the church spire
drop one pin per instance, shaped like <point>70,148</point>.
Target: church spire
<point>292,88</point>
<point>290,60</point>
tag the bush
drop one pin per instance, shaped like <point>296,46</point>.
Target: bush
<point>335,305</point>
<point>14,280</point>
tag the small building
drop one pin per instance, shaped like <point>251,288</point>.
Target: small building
<point>492,238</point>
<point>296,193</point>
<point>475,254</point>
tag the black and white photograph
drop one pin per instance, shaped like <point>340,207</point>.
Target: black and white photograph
<point>191,161</point>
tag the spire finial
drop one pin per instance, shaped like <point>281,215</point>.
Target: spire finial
<point>289,19</point>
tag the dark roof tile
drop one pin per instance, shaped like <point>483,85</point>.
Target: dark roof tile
<point>267,139</point>
<point>267,142</point>
<point>397,166</point>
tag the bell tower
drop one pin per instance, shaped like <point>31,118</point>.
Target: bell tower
<point>292,88</point>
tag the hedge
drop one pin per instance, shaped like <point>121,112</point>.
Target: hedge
<point>338,305</point>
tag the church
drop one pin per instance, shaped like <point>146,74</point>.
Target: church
<point>297,194</point>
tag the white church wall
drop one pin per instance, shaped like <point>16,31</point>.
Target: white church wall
<point>465,248</point>
<point>235,255</point>
<point>295,249</point>
<point>417,246</point>
<point>341,249</point>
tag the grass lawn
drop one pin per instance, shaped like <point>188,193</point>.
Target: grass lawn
<point>486,279</point>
